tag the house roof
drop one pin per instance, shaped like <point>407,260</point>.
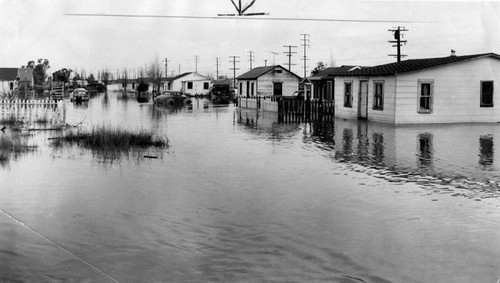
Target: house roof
<point>412,65</point>
<point>178,77</point>
<point>331,71</point>
<point>259,71</point>
<point>8,74</point>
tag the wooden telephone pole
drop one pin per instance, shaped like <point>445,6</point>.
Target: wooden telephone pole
<point>289,54</point>
<point>234,58</point>
<point>398,42</point>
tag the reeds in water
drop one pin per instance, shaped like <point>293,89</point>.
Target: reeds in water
<point>107,137</point>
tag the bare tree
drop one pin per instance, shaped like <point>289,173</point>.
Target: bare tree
<point>155,74</point>
<point>124,80</point>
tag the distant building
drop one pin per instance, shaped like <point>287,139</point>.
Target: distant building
<point>190,83</point>
<point>453,89</point>
<point>14,78</point>
<point>267,81</point>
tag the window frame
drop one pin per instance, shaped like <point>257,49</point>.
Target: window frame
<point>206,85</point>
<point>375,104</point>
<point>421,110</point>
<point>481,103</point>
<point>348,96</point>
<point>189,85</point>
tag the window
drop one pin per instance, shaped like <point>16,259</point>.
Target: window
<point>278,71</point>
<point>378,96</point>
<point>348,94</point>
<point>487,94</point>
<point>253,89</point>
<point>241,88</point>
<point>425,96</point>
<point>190,85</point>
<point>206,85</point>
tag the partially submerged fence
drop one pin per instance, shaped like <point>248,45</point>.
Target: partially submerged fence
<point>292,109</point>
<point>32,110</point>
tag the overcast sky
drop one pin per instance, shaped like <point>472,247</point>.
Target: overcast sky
<point>32,29</point>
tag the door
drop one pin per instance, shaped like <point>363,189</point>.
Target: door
<point>278,88</point>
<point>363,100</point>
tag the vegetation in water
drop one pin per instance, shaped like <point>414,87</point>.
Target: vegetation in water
<point>12,146</point>
<point>106,137</point>
<point>109,144</point>
<point>10,120</point>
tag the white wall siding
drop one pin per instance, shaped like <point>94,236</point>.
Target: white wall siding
<point>386,115</point>
<point>456,95</point>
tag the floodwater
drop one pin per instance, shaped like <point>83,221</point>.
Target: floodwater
<point>239,197</point>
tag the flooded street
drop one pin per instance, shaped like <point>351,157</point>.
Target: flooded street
<point>239,197</point>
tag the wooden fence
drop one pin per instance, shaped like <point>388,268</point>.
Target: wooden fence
<point>292,109</point>
<point>27,102</point>
<point>298,110</point>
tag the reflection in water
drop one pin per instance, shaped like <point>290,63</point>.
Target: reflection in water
<point>486,151</point>
<point>421,154</point>
<point>424,151</point>
<point>12,146</point>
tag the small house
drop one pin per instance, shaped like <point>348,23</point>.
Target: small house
<point>8,80</point>
<point>190,83</point>
<point>268,81</point>
<point>452,89</point>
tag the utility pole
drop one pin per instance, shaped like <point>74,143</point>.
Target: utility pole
<point>289,54</point>
<point>196,60</point>
<point>179,69</point>
<point>305,43</point>
<point>233,58</point>
<point>251,58</point>
<point>217,64</point>
<point>397,36</point>
<point>166,66</point>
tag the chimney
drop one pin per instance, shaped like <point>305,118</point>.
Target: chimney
<point>453,53</point>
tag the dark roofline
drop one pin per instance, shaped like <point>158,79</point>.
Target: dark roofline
<point>413,65</point>
<point>260,71</point>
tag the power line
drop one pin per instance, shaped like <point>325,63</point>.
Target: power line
<point>251,58</point>
<point>196,60</point>
<point>305,42</point>
<point>166,66</point>
<point>289,54</point>
<point>397,36</point>
<point>240,18</point>
<point>234,68</point>
<point>217,64</point>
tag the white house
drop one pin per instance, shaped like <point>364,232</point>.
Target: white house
<point>267,81</point>
<point>190,83</point>
<point>453,89</point>
<point>14,78</point>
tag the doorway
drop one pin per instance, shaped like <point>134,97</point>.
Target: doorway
<point>363,100</point>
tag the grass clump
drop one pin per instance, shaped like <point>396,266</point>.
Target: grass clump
<point>10,120</point>
<point>106,137</point>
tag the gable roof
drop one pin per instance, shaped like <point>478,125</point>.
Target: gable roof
<point>259,71</point>
<point>413,65</point>
<point>8,74</point>
<point>178,76</point>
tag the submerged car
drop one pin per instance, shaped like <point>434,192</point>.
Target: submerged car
<point>172,98</point>
<point>79,95</point>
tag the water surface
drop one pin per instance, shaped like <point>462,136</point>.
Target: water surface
<point>238,196</point>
